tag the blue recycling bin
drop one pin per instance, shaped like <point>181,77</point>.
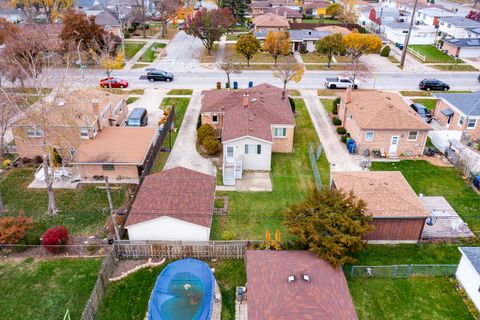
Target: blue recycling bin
<point>351,146</point>
<point>250,84</point>
<point>476,182</point>
<point>235,85</point>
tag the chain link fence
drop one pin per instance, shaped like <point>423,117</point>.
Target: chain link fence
<point>313,161</point>
<point>401,271</point>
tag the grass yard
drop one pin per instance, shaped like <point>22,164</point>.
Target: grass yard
<point>181,105</point>
<point>333,67</point>
<point>322,21</point>
<point>251,213</point>
<point>407,298</point>
<point>260,57</point>
<point>151,54</point>
<point>431,180</point>
<point>234,36</point>
<point>433,55</point>
<point>415,93</point>
<point>325,92</point>
<point>131,49</point>
<point>428,103</point>
<point>205,58</point>
<point>82,211</point>
<point>180,92</point>
<point>343,59</point>
<point>313,57</point>
<point>457,67</point>
<point>293,92</point>
<point>132,99</point>
<point>46,289</point>
<point>140,65</point>
<point>128,298</point>
<point>327,104</point>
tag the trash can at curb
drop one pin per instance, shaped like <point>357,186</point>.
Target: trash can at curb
<point>219,85</point>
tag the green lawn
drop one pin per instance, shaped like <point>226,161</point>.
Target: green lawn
<point>36,289</point>
<point>151,54</point>
<point>128,298</point>
<point>181,105</point>
<point>251,213</point>
<point>328,104</point>
<point>433,55</point>
<point>82,211</point>
<point>314,57</point>
<point>260,57</point>
<point>293,92</point>
<point>411,298</point>
<point>180,92</point>
<point>132,99</point>
<point>431,180</point>
<point>428,103</point>
<point>451,67</point>
<point>131,49</point>
<point>415,93</point>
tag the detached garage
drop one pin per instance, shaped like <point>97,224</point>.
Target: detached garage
<point>468,273</point>
<point>175,204</point>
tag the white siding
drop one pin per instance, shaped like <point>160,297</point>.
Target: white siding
<point>252,161</point>
<point>168,228</point>
<point>469,279</point>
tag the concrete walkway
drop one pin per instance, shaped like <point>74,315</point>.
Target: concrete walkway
<point>184,152</point>
<point>134,59</point>
<point>336,153</point>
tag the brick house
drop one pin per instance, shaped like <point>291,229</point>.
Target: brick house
<point>78,116</point>
<point>291,15</point>
<point>260,7</point>
<point>251,124</point>
<point>382,121</point>
<point>459,112</point>
<point>270,22</point>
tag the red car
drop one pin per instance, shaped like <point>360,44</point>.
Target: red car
<point>115,82</point>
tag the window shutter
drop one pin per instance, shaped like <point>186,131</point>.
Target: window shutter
<point>259,149</point>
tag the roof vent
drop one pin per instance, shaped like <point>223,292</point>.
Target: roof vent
<point>370,183</point>
<point>306,277</point>
<point>390,106</point>
<point>254,100</point>
<point>61,104</point>
<point>291,279</point>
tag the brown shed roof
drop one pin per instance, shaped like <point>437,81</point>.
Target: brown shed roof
<point>270,296</point>
<point>372,109</point>
<point>116,145</point>
<point>270,20</point>
<point>180,193</point>
<point>386,193</point>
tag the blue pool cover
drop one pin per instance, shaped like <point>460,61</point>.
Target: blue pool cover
<point>184,290</point>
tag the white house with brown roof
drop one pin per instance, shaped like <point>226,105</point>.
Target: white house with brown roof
<point>384,122</point>
<point>252,124</point>
<point>174,204</point>
<point>397,212</point>
<point>270,22</point>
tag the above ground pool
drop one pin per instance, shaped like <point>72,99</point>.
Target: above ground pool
<point>184,290</point>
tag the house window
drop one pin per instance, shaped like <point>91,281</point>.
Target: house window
<point>369,136</point>
<point>108,167</point>
<point>449,25</point>
<point>280,132</point>
<point>461,121</point>
<point>34,132</point>
<point>472,123</point>
<point>72,153</point>
<point>253,149</point>
<point>84,132</point>
<point>413,135</point>
<point>215,118</point>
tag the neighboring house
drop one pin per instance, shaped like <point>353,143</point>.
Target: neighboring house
<point>431,16</point>
<point>284,3</point>
<point>291,15</point>
<point>381,16</point>
<point>473,32</point>
<point>457,27</point>
<point>77,116</point>
<point>12,14</point>
<point>462,47</point>
<point>379,120</point>
<point>459,112</point>
<point>299,38</point>
<point>260,7</point>
<point>397,212</point>
<point>270,22</point>
<point>119,153</point>
<point>317,9</point>
<point>421,34</point>
<point>174,204</point>
<point>252,124</point>
<point>109,19</point>
<point>468,273</point>
<point>295,284</point>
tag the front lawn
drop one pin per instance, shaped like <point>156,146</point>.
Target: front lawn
<point>407,298</point>
<point>454,67</point>
<point>328,104</point>
<point>433,55</point>
<point>431,180</point>
<point>151,53</point>
<point>82,211</point>
<point>260,57</point>
<point>46,289</point>
<point>251,213</point>
<point>415,93</point>
<point>428,103</point>
<point>128,298</point>
<point>180,92</point>
<point>209,58</point>
<point>131,49</point>
<point>313,57</point>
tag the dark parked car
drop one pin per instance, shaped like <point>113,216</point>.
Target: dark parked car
<point>159,75</point>
<point>422,111</point>
<point>433,84</point>
<point>138,118</point>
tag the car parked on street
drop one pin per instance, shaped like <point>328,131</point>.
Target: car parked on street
<point>433,84</point>
<point>113,82</point>
<point>422,111</point>
<point>340,83</point>
<point>159,75</point>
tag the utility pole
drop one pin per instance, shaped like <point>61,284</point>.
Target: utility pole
<point>407,38</point>
<point>112,210</point>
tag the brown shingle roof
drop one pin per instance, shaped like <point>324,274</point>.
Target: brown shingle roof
<point>381,110</point>
<point>334,29</point>
<point>266,107</point>
<point>316,5</point>
<point>270,296</point>
<point>270,20</point>
<point>286,12</point>
<point>260,4</point>
<point>180,193</point>
<point>116,145</point>
<point>386,193</point>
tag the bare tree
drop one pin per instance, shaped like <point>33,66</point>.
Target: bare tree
<point>287,71</point>
<point>166,10</point>
<point>229,66</point>
<point>7,114</point>
<point>140,14</point>
<point>104,55</point>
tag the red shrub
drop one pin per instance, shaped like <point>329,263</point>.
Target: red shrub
<point>55,239</point>
<point>13,229</point>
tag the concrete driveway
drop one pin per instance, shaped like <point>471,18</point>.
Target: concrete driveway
<point>184,152</point>
<point>150,100</point>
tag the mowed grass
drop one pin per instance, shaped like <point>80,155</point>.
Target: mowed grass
<point>260,57</point>
<point>128,298</point>
<point>327,104</point>
<point>432,180</point>
<point>36,289</point>
<point>131,49</point>
<point>415,93</point>
<point>407,298</point>
<point>252,213</point>
<point>428,103</point>
<point>82,211</point>
<point>151,53</point>
<point>313,57</point>
<point>433,55</point>
<point>180,92</point>
<point>181,105</point>
<point>454,67</point>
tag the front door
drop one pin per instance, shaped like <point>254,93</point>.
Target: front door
<point>230,153</point>
<point>393,144</point>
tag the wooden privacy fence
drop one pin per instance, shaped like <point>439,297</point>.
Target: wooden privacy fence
<point>127,249</point>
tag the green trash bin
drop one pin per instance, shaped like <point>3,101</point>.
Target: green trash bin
<point>227,85</point>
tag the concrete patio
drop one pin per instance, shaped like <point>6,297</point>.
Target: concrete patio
<point>252,181</point>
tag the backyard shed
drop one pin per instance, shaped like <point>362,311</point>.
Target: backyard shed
<point>175,204</point>
<point>468,273</point>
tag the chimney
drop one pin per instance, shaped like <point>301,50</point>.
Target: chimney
<point>95,107</point>
<point>245,99</point>
<point>348,95</point>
